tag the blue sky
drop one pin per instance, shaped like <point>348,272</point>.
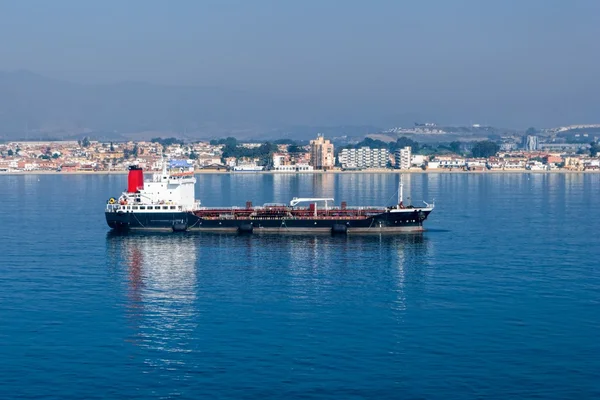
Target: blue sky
<point>503,62</point>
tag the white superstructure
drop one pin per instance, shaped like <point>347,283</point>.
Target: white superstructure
<point>165,192</point>
<point>175,188</point>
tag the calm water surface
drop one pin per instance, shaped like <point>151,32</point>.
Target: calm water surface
<point>499,298</point>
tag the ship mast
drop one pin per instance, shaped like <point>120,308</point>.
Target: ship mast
<point>400,190</point>
<point>164,168</point>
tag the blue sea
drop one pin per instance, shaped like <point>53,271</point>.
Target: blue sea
<point>499,298</point>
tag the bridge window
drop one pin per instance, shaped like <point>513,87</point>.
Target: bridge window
<point>142,207</point>
<point>172,207</point>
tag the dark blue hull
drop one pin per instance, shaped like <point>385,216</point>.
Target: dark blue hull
<point>409,221</point>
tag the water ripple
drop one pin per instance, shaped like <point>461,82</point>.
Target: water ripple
<point>498,299</point>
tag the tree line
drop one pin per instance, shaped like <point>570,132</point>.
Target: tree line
<point>484,148</point>
<point>166,142</point>
<point>380,144</point>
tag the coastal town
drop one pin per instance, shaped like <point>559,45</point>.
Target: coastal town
<point>229,155</point>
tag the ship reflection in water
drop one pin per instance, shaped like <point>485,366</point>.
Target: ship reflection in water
<point>160,276</point>
<point>207,303</point>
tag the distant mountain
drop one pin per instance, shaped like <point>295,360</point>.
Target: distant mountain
<point>330,132</point>
<point>34,106</point>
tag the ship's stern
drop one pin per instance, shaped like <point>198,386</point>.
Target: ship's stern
<point>116,219</point>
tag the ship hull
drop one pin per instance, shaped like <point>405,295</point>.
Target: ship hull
<point>148,220</point>
<point>387,222</point>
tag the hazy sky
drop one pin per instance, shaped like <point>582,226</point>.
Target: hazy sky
<point>504,62</point>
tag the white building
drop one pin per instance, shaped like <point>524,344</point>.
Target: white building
<point>476,164</point>
<point>417,160</point>
<point>403,158</point>
<point>433,165</point>
<point>508,146</point>
<point>278,160</point>
<point>530,143</point>
<point>514,164</point>
<point>451,162</point>
<point>536,166</point>
<point>321,153</point>
<point>364,157</point>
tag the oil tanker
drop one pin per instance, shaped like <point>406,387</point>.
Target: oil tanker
<point>167,202</point>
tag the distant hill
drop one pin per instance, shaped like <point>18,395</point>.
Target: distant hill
<point>34,106</point>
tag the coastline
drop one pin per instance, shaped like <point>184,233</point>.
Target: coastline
<point>373,171</point>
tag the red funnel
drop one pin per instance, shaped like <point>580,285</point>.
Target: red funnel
<point>135,180</point>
